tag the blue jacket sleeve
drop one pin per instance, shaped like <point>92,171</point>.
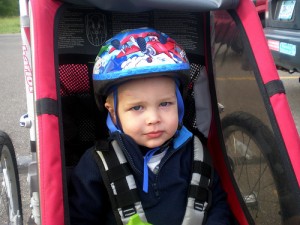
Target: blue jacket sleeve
<point>219,212</point>
<point>88,200</point>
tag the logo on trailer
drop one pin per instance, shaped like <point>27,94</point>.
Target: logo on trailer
<point>96,31</point>
<point>27,70</point>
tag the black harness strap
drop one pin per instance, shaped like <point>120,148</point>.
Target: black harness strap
<point>202,168</point>
<point>201,192</point>
<point>114,176</point>
<point>118,171</point>
<point>104,147</point>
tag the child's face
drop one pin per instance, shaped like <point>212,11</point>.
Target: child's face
<point>147,110</point>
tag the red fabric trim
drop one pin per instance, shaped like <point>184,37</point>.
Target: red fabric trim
<point>269,72</point>
<point>50,171</point>
<point>48,139</point>
<point>255,33</point>
<point>43,24</point>
<point>288,130</point>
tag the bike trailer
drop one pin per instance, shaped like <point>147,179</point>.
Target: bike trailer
<point>236,103</point>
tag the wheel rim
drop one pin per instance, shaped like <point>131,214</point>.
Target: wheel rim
<point>9,205</point>
<point>253,176</point>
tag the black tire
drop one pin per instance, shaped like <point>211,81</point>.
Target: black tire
<point>10,199</point>
<point>253,157</point>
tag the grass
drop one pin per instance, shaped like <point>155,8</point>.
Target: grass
<point>9,25</point>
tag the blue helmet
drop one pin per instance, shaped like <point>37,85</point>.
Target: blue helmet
<point>142,52</point>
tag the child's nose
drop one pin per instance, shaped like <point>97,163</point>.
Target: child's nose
<point>153,117</point>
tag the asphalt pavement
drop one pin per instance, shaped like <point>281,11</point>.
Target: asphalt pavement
<point>12,89</point>
<point>13,105</point>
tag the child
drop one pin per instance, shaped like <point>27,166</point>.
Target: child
<point>141,72</point>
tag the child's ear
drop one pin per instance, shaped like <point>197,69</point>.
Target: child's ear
<point>111,111</point>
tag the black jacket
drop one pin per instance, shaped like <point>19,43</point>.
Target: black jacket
<point>165,202</point>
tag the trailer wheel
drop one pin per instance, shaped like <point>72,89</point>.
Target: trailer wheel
<point>253,157</point>
<point>10,199</point>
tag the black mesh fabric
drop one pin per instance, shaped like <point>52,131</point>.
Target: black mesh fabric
<point>74,79</point>
<point>78,110</point>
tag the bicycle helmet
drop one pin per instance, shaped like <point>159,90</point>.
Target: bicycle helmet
<point>137,53</point>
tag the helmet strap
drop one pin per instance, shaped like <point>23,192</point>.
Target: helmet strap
<point>118,123</point>
<point>109,122</point>
<point>180,107</point>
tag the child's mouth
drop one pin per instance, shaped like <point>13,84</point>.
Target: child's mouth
<point>154,134</point>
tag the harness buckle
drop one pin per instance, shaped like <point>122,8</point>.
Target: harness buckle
<point>199,206</point>
<point>128,211</point>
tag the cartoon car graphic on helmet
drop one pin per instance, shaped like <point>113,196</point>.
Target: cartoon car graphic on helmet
<point>150,43</point>
<point>136,52</point>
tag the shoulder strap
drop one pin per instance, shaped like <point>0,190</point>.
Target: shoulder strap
<point>199,196</point>
<point>119,182</point>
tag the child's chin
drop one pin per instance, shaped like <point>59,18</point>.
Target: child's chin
<point>153,145</point>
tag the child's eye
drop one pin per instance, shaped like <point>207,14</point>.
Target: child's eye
<point>164,104</point>
<point>136,108</point>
